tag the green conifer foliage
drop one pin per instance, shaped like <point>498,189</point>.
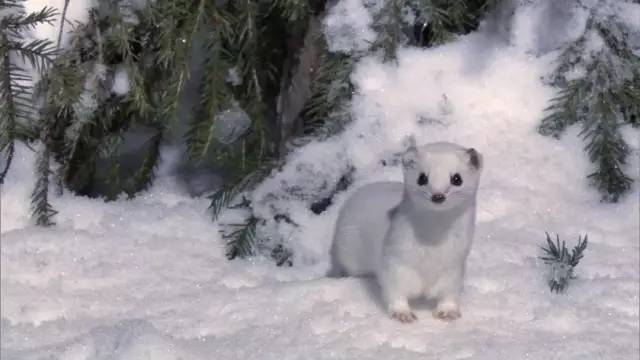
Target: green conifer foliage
<point>83,120</point>
<point>434,22</point>
<point>16,91</point>
<point>326,112</point>
<point>16,108</point>
<point>389,26</point>
<point>152,45</point>
<point>602,97</point>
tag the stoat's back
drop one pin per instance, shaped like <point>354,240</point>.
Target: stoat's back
<point>361,226</point>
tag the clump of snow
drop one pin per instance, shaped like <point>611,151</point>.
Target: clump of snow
<point>348,27</point>
<point>87,103</point>
<point>121,83</point>
<point>233,77</point>
<point>231,124</point>
<point>148,276</point>
<point>543,26</point>
<point>594,43</point>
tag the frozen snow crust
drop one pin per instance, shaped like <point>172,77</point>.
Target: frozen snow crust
<point>147,278</point>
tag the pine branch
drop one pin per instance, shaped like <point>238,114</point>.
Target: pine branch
<point>215,96</point>
<point>10,152</point>
<point>185,27</point>
<point>62,93</point>
<point>16,103</point>
<point>225,197</point>
<point>441,20</point>
<point>145,175</point>
<point>12,4</point>
<point>246,39</point>
<point>120,38</point>
<point>39,53</point>
<point>41,208</point>
<point>577,251</point>
<point>326,112</point>
<point>222,199</point>
<point>241,241</point>
<point>607,149</point>
<point>15,24</point>
<point>62,20</point>
<point>179,23</point>
<point>137,95</point>
<point>388,23</point>
<point>563,110</point>
<point>295,11</point>
<point>113,180</point>
<point>236,41</point>
<point>8,111</point>
<point>602,99</point>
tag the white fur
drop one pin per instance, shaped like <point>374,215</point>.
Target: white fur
<point>412,245</point>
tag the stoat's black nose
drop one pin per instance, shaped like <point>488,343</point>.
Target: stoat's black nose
<point>437,198</point>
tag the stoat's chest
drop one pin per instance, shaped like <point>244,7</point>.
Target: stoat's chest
<point>433,250</point>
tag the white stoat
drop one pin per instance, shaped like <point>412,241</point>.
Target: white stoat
<point>413,236</point>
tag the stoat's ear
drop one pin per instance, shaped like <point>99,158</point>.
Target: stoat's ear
<point>475,158</point>
<point>410,157</point>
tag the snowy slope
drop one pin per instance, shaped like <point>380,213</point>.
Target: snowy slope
<point>147,278</point>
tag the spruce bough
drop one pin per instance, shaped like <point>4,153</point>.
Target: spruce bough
<point>603,99</point>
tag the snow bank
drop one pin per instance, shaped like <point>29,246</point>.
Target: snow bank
<point>347,26</point>
<point>147,278</point>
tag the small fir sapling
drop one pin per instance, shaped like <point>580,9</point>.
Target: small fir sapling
<point>557,256</point>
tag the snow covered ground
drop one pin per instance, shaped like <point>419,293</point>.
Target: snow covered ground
<point>147,278</point>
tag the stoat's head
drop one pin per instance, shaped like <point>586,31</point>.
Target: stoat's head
<point>441,175</point>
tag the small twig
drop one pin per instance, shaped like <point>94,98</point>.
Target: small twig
<point>100,51</point>
<point>62,21</point>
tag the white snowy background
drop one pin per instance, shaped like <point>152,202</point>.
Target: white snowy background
<point>147,278</point>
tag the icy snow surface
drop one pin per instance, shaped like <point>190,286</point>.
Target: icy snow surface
<point>147,278</point>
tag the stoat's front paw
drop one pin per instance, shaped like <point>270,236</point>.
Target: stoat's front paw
<point>445,315</point>
<point>446,312</point>
<point>404,316</point>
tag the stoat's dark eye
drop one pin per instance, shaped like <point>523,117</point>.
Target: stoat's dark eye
<point>456,179</point>
<point>423,179</point>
